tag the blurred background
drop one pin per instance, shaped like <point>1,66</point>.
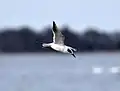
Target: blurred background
<point>90,26</point>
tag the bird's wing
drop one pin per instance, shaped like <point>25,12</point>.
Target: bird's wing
<point>58,37</point>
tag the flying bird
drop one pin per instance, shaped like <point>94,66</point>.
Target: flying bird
<point>58,42</point>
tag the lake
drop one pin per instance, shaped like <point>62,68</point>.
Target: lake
<point>59,72</point>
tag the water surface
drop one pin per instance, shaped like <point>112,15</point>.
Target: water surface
<point>58,72</point>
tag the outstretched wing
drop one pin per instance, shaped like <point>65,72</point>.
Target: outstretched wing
<point>58,37</point>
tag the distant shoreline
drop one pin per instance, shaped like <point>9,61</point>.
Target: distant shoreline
<point>22,53</point>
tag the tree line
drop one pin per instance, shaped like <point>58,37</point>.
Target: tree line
<point>25,39</point>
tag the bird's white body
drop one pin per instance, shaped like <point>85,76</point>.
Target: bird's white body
<point>61,48</point>
<point>58,42</point>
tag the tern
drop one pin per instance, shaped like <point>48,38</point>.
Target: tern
<point>58,42</point>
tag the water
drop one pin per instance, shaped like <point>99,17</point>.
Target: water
<point>53,72</point>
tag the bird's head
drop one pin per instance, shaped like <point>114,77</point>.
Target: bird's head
<point>46,45</point>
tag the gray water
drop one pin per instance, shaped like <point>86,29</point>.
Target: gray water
<point>58,72</point>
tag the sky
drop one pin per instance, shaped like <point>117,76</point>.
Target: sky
<point>78,14</point>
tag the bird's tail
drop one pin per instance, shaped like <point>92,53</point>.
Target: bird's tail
<point>73,49</point>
